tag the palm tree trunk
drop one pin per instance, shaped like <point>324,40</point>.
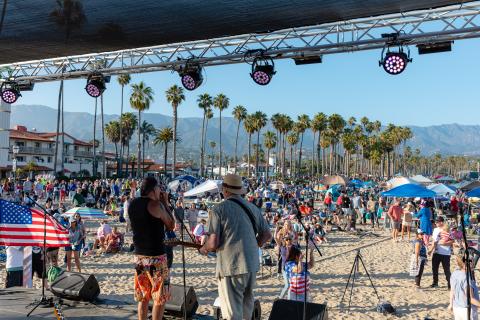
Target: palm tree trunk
<point>165,159</point>
<point>202,145</point>
<point>284,151</point>
<point>62,162</point>
<point>249,153</point>
<point>60,93</point>
<point>104,162</point>
<point>205,142</point>
<point>116,150</point>
<point>313,154</point>
<point>299,169</point>
<point>291,162</point>
<point>174,164</point>
<point>120,161</point>
<point>143,154</point>
<point>236,144</point>
<point>267,165</point>
<point>257,154</point>
<point>94,168</point>
<point>128,155</point>
<point>139,144</point>
<point>220,157</point>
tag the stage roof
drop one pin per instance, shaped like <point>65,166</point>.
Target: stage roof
<point>35,30</point>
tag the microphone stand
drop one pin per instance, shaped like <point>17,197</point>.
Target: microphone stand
<point>44,302</point>
<point>182,229</point>
<point>308,238</point>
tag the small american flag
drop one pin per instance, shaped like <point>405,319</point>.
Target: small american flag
<point>23,226</point>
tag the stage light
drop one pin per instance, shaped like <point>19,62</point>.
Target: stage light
<point>191,77</point>
<point>95,85</point>
<point>395,62</point>
<point>10,92</point>
<point>263,70</point>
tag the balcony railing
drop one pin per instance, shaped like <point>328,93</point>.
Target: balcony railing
<point>34,150</point>
<point>77,153</point>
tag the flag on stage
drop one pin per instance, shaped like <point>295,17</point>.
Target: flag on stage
<point>23,226</point>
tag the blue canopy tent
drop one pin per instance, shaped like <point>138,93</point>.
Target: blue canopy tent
<point>334,190</point>
<point>409,190</point>
<point>475,193</point>
<point>357,183</point>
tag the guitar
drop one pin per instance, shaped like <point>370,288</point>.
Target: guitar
<point>175,242</point>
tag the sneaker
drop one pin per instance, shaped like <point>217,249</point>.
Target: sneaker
<point>434,285</point>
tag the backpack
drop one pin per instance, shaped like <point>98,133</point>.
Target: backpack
<point>53,273</point>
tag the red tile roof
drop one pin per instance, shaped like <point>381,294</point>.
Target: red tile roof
<point>21,133</point>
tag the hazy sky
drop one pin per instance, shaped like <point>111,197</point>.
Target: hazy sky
<point>434,89</point>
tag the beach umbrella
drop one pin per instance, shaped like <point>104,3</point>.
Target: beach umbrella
<point>409,190</point>
<point>475,193</point>
<point>331,180</point>
<point>87,213</point>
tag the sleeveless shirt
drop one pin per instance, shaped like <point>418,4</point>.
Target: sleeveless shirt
<point>148,231</point>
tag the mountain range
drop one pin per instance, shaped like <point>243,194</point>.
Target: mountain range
<point>446,139</point>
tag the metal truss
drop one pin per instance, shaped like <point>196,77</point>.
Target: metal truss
<point>415,27</point>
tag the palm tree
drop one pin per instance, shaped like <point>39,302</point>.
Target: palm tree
<point>292,140</point>
<point>302,125</point>
<point>140,100</point>
<point>319,124</point>
<point>276,122</point>
<point>164,136</point>
<point>213,144</point>
<point>221,103</point>
<point>260,122</point>
<point>239,113</point>
<point>270,141</point>
<point>69,14</point>
<point>286,124</point>
<point>205,103</point>
<point>147,130</point>
<point>60,97</point>
<point>112,130</point>
<point>175,97</point>
<point>129,125</point>
<point>336,124</point>
<point>249,125</point>
<point>123,80</point>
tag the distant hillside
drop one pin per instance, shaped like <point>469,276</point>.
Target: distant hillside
<point>445,139</point>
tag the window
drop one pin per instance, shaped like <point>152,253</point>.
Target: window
<point>50,145</point>
<point>75,148</point>
<point>49,159</point>
<point>37,144</point>
<point>20,158</point>
<point>20,143</point>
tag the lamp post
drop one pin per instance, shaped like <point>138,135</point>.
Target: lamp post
<point>15,150</point>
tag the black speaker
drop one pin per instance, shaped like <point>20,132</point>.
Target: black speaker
<point>293,310</point>
<point>176,304</point>
<point>75,286</point>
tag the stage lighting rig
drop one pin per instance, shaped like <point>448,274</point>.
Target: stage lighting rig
<point>191,75</point>
<point>10,91</point>
<point>96,84</point>
<point>263,69</point>
<point>394,62</point>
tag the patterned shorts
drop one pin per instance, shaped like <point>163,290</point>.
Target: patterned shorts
<point>152,279</point>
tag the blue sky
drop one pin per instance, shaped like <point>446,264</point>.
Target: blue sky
<point>434,89</point>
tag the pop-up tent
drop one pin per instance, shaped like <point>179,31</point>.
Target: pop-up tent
<point>331,180</point>
<point>211,186</point>
<point>409,191</point>
<point>445,179</point>
<point>421,179</point>
<point>466,186</point>
<point>441,190</point>
<point>475,193</point>
<point>398,181</point>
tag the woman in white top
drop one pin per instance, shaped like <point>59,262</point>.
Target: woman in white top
<point>408,210</point>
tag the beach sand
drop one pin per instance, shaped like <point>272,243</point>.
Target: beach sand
<point>386,262</point>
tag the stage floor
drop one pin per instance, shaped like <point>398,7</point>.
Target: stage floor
<point>15,304</point>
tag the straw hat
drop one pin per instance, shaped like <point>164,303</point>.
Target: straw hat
<point>233,184</point>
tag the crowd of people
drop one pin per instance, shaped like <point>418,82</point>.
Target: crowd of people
<point>298,215</point>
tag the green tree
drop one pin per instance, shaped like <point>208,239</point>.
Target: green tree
<point>140,100</point>
<point>175,97</point>
<point>303,123</point>
<point>249,126</point>
<point>292,140</point>
<point>112,131</point>
<point>260,121</point>
<point>212,144</point>
<point>221,102</point>
<point>205,103</point>
<point>123,80</point>
<point>147,130</point>
<point>270,141</point>
<point>129,125</point>
<point>239,113</point>
<point>164,136</point>
<point>318,124</point>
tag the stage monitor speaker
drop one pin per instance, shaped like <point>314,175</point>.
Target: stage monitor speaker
<point>175,305</point>
<point>75,286</point>
<point>257,310</point>
<point>293,310</point>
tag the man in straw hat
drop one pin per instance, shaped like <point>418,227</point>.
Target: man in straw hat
<point>236,230</point>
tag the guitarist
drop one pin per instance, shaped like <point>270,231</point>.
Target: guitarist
<point>236,230</point>
<point>150,217</point>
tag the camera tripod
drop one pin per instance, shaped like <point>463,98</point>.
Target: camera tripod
<point>353,274</point>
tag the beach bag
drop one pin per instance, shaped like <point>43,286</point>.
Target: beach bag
<point>53,273</point>
<point>385,308</point>
<point>414,269</point>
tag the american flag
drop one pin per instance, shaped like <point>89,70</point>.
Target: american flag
<point>23,226</point>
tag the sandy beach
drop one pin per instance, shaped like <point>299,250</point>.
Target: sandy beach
<point>386,262</point>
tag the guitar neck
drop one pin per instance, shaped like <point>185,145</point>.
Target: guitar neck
<point>183,243</point>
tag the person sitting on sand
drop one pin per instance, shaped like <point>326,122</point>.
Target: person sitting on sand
<point>200,232</point>
<point>298,274</point>
<point>114,241</point>
<point>102,232</point>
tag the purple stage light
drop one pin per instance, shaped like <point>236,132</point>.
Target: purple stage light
<point>95,87</point>
<point>191,77</point>
<point>395,62</point>
<point>189,82</point>
<point>10,96</point>
<point>262,74</point>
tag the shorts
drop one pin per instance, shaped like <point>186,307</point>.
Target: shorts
<point>37,267</point>
<point>14,279</point>
<point>152,279</point>
<point>76,247</point>
<point>397,224</point>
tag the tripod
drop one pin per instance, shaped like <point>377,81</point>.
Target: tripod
<point>43,301</point>
<point>353,274</point>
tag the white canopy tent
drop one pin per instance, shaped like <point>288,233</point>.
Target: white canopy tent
<point>421,179</point>
<point>399,181</point>
<point>211,186</point>
<point>441,190</point>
